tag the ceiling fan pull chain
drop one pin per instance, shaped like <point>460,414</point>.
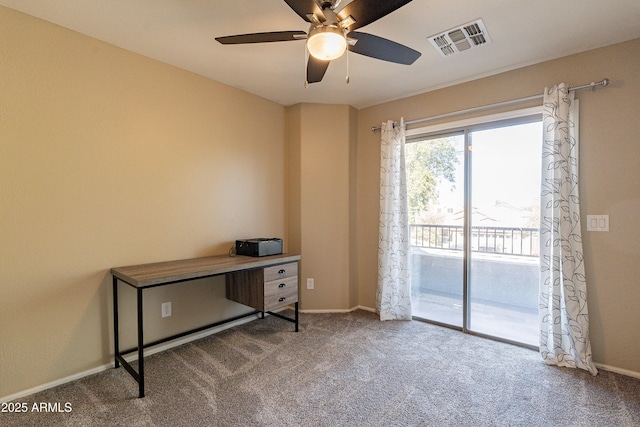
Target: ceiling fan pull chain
<point>306,58</point>
<point>347,78</point>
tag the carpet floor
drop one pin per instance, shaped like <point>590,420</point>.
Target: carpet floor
<point>342,370</point>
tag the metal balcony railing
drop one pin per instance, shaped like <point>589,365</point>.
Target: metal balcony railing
<point>499,240</point>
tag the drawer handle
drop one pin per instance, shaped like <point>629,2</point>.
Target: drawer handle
<point>282,285</point>
<point>282,299</point>
<point>282,271</point>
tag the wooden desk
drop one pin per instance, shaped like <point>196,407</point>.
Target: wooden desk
<point>264,283</point>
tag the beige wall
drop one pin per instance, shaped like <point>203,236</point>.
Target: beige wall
<point>610,173</point>
<point>108,158</point>
<point>322,140</point>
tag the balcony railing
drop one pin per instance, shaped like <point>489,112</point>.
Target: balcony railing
<point>500,240</point>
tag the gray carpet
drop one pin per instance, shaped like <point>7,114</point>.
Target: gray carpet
<point>343,370</point>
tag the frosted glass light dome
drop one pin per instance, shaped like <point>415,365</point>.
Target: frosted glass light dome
<point>326,42</point>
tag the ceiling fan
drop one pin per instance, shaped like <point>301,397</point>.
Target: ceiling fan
<point>332,32</point>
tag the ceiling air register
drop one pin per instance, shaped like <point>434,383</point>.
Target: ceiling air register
<point>459,39</point>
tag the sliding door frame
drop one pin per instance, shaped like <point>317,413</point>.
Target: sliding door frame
<point>466,127</point>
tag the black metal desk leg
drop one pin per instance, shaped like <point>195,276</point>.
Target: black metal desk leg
<point>296,306</point>
<point>140,347</point>
<point>116,335</point>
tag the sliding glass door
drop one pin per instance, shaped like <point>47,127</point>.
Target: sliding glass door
<point>504,239</point>
<point>474,213</point>
<point>435,188</point>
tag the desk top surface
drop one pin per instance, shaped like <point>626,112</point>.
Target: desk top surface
<point>159,273</point>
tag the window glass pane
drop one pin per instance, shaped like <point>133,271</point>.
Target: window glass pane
<point>504,268</point>
<point>435,181</point>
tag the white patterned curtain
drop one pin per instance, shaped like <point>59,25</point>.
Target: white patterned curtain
<point>393,298</point>
<point>564,318</point>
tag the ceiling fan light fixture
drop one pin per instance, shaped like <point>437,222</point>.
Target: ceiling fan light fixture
<point>326,42</point>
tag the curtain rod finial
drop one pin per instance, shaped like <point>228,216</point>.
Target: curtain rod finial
<point>604,82</point>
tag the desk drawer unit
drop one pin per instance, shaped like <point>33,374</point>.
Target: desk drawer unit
<point>264,289</point>
<point>280,286</point>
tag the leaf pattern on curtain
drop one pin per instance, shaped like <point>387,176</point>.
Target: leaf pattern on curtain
<point>393,297</point>
<point>564,318</point>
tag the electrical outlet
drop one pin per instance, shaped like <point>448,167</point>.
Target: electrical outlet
<point>166,309</point>
<point>310,283</point>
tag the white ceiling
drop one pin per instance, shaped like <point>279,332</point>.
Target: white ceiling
<point>182,32</point>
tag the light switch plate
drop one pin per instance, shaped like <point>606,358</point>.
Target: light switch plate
<point>597,222</point>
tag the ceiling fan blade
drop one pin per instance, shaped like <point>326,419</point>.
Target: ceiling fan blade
<point>367,11</point>
<point>275,36</point>
<point>304,7</point>
<point>316,69</point>
<point>381,48</point>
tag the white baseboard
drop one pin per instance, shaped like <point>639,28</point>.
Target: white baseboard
<point>327,310</point>
<point>131,357</point>
<point>620,371</point>
<point>338,310</point>
<point>55,383</point>
<point>187,339</point>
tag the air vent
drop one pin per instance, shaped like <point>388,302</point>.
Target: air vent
<point>459,39</point>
